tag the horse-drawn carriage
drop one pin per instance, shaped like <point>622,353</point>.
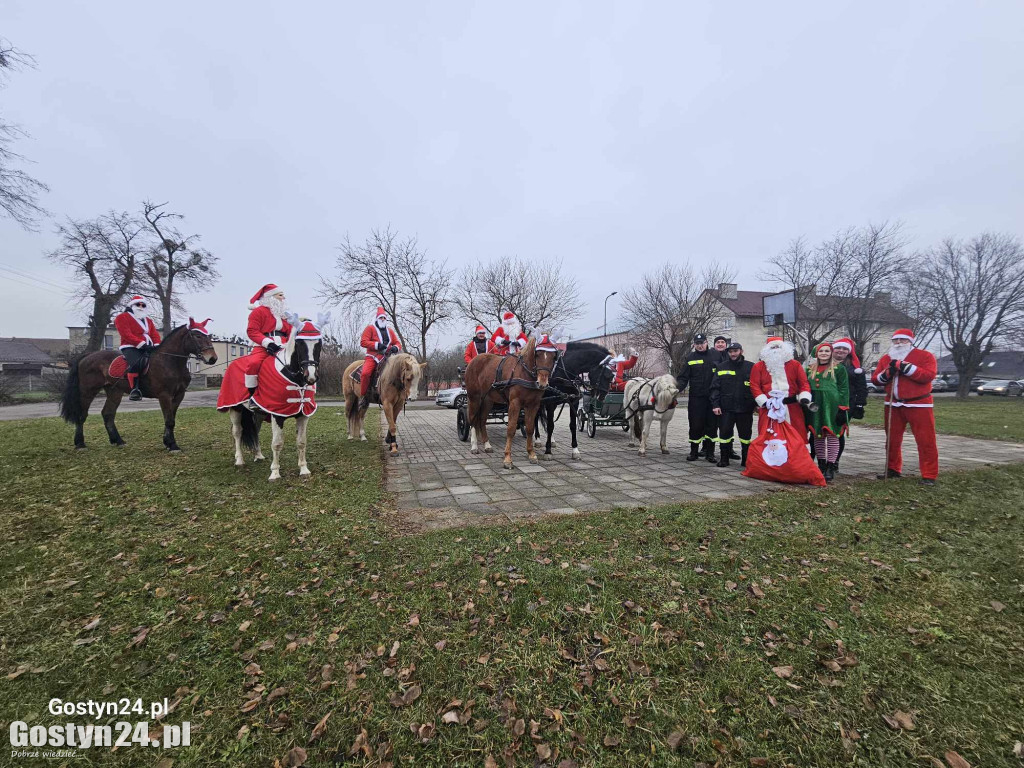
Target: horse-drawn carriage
<point>595,411</point>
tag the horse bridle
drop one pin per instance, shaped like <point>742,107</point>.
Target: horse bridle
<point>642,407</point>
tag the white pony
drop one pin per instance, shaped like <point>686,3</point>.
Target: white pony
<point>649,399</point>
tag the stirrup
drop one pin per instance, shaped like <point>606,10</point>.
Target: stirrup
<point>135,394</point>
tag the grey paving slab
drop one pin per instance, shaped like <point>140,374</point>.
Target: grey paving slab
<point>437,474</point>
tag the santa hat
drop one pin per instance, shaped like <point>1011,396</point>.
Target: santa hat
<point>480,329</point>
<point>201,327</point>
<point>770,339</point>
<point>308,331</point>
<point>546,344</point>
<point>380,313</point>
<point>508,316</point>
<point>903,333</point>
<point>268,288</point>
<point>847,343</point>
<point>136,299</point>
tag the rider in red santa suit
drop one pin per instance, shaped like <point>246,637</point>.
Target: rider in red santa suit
<point>267,328</point>
<point>508,337</point>
<point>378,339</point>
<point>778,376</point>
<point>621,365</point>
<point>138,337</point>
<point>907,373</point>
<point>478,345</point>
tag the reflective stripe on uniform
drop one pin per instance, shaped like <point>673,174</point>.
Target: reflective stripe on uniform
<point>726,372</point>
<point>694,362</point>
<point>746,442</point>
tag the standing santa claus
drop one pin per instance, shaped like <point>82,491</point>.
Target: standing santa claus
<point>779,386</point>
<point>508,338</point>
<point>268,329</point>
<point>907,373</point>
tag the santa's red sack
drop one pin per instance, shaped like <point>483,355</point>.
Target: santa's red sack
<point>780,454</point>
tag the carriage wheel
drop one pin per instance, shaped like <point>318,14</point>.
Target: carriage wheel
<point>591,427</point>
<point>462,424</point>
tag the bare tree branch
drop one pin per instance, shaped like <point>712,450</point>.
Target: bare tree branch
<point>19,192</point>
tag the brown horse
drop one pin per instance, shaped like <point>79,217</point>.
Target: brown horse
<point>398,381</point>
<point>166,380</point>
<point>516,381</point>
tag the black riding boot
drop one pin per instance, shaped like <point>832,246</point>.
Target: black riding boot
<point>743,452</point>
<point>709,451</point>
<point>694,452</point>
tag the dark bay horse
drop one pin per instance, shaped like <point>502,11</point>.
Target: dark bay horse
<point>579,357</point>
<point>516,381</point>
<point>166,380</point>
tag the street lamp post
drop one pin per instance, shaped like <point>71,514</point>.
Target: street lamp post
<point>606,314</point>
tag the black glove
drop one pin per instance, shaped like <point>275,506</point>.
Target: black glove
<point>904,367</point>
<point>392,349</point>
<point>843,417</point>
<point>273,349</point>
<point>789,400</point>
<point>381,346</point>
<point>505,342</point>
<point>857,412</point>
<point>892,366</point>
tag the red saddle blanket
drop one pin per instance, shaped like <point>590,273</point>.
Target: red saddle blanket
<point>780,454</point>
<point>275,394</point>
<point>119,366</point>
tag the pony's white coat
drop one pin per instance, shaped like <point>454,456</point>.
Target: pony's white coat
<point>638,393</point>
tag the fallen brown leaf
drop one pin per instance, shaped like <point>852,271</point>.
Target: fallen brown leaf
<point>451,717</point>
<point>295,758</point>
<point>405,699</point>
<point>998,608</point>
<point>244,625</point>
<point>612,741</point>
<point>675,738</point>
<point>320,728</point>
<point>361,744</point>
<point>277,693</point>
<point>543,751</point>
<point>784,672</point>
<point>899,721</point>
<point>955,760</point>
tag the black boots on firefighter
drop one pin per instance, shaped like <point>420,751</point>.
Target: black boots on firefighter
<point>709,450</point>
<point>725,453</point>
<point>743,462</point>
<point>694,451</point>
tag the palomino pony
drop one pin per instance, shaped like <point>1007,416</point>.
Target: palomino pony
<point>579,357</point>
<point>166,379</point>
<point>286,390</point>
<point>516,381</point>
<point>645,399</point>
<point>398,381</point>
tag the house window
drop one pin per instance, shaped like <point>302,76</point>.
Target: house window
<point>108,342</point>
<point>876,347</point>
<point>234,351</point>
<point>727,325</point>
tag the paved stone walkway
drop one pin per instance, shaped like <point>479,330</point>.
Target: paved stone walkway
<point>437,482</point>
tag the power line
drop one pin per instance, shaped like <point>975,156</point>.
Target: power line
<point>29,276</point>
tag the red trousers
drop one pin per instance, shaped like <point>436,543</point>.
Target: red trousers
<point>369,366</point>
<point>922,424</point>
<point>256,358</point>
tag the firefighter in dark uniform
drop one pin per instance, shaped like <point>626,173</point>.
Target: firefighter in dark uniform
<point>719,354</point>
<point>733,403</point>
<point>697,372</point>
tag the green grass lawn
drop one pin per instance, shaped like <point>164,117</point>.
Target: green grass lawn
<point>39,396</point>
<point>868,624</point>
<point>997,418</point>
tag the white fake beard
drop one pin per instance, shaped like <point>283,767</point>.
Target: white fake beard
<point>775,358</point>
<point>512,328</point>
<point>276,306</point>
<point>899,351</point>
<point>382,323</point>
<point>139,312</point>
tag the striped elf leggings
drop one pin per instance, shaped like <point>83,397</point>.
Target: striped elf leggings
<point>827,448</point>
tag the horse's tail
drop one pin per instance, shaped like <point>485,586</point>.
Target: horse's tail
<point>250,429</point>
<point>71,401</point>
<point>637,429</point>
<point>351,405</point>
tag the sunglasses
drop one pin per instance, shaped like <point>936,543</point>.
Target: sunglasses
<point>139,304</point>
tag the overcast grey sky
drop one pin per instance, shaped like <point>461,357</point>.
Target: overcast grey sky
<point>615,136</point>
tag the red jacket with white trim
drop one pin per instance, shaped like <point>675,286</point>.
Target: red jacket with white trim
<point>503,349</point>
<point>619,383</point>
<point>796,380</point>
<point>375,343</point>
<point>263,323</point>
<point>135,332</point>
<point>472,350</point>
<point>913,388</point>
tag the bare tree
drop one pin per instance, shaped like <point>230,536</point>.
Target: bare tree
<point>845,283</point>
<point>539,293</point>
<point>443,370</point>
<point>669,306</point>
<point>425,287</point>
<point>19,192</point>
<point>369,274</point>
<point>976,290</point>
<point>174,265</point>
<point>103,254</point>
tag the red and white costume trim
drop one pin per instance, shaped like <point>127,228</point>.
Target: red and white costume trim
<point>264,328</point>
<point>478,346</point>
<point>135,331</point>
<point>510,330</point>
<point>769,390</point>
<point>621,366</point>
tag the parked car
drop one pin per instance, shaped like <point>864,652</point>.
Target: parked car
<point>1016,388</point>
<point>451,398</point>
<point>995,387</point>
<point>951,381</point>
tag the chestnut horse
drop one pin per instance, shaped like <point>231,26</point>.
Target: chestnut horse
<point>398,381</point>
<point>166,379</point>
<point>516,381</point>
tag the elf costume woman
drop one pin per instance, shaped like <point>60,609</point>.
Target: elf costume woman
<point>830,389</point>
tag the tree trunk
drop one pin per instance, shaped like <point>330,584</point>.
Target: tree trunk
<point>963,388</point>
<point>424,383</point>
<point>98,323</point>
<point>165,307</point>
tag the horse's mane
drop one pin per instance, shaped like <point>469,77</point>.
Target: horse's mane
<point>174,332</point>
<point>530,353</point>
<point>394,370</point>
